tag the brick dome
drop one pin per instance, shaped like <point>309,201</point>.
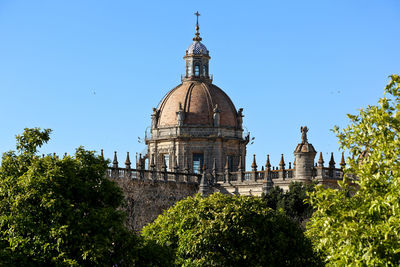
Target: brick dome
<point>198,100</point>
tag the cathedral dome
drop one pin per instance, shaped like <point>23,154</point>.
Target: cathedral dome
<point>198,100</point>
<point>197,48</point>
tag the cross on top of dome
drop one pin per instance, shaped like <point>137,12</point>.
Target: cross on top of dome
<point>197,38</point>
<point>197,48</point>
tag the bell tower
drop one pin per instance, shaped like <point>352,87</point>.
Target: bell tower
<point>197,58</point>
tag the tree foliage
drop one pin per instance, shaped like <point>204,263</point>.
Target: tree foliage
<point>223,230</point>
<point>59,211</point>
<point>291,202</point>
<point>360,223</point>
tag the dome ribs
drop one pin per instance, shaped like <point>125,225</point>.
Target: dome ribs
<point>209,99</point>
<point>188,96</point>
<point>198,100</point>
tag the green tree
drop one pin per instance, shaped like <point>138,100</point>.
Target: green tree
<point>60,211</point>
<point>359,224</point>
<point>222,230</point>
<point>291,202</point>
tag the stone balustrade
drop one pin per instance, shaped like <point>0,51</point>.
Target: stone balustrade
<point>220,177</point>
<point>152,175</point>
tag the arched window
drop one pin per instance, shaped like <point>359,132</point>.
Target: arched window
<point>198,160</point>
<point>197,70</point>
<point>205,70</point>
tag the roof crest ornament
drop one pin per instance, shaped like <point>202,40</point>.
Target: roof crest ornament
<point>197,37</point>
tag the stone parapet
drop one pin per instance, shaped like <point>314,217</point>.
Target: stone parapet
<point>152,175</point>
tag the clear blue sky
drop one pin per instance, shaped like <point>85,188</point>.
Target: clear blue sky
<point>93,70</point>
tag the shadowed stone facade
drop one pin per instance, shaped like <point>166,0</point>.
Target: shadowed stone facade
<point>146,199</point>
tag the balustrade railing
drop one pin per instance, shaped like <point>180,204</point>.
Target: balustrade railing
<point>119,173</point>
<point>219,177</point>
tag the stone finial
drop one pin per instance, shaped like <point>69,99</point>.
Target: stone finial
<point>214,165</point>
<point>227,164</point>
<point>176,166</point>
<point>304,131</point>
<point>268,164</point>
<point>203,186</point>
<point>320,160</point>
<point>282,163</point>
<point>290,165</point>
<point>140,158</point>
<point>101,154</point>
<point>254,164</point>
<point>115,161</point>
<point>332,162</point>
<point>203,168</point>
<point>152,165</point>
<point>342,162</point>
<point>127,161</point>
<point>187,167</point>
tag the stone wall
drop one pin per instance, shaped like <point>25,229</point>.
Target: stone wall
<point>146,199</point>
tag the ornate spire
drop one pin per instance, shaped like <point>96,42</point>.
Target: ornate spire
<point>282,163</point>
<point>268,164</point>
<point>127,161</point>
<point>197,37</point>
<point>342,162</point>
<point>115,161</point>
<point>321,160</point>
<point>254,164</point>
<point>332,162</point>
